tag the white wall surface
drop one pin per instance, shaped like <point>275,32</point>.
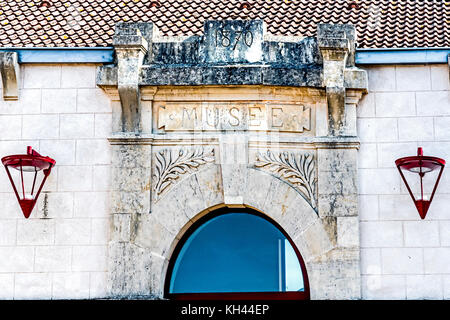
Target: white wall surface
<point>60,113</point>
<point>402,256</point>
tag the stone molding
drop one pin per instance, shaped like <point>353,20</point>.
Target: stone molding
<point>10,70</point>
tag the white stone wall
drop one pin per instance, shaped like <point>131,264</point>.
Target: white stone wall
<point>61,250</point>
<point>60,113</point>
<point>402,256</point>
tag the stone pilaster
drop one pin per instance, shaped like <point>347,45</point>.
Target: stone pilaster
<point>10,69</point>
<point>337,46</point>
<point>337,163</point>
<point>131,42</point>
<point>131,163</point>
<point>131,169</point>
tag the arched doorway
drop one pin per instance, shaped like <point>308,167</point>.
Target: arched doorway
<point>236,254</point>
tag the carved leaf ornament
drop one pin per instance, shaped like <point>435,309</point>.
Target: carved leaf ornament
<point>296,169</point>
<point>169,167</point>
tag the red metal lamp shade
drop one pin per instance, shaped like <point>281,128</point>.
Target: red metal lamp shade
<point>421,165</point>
<point>32,162</point>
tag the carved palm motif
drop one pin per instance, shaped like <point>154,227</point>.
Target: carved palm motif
<point>296,169</point>
<point>170,166</point>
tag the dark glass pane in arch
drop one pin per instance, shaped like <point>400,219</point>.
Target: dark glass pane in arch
<point>236,252</point>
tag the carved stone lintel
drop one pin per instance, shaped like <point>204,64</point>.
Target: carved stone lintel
<point>296,169</point>
<point>170,166</point>
<point>9,69</point>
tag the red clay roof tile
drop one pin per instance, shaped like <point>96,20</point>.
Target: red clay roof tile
<point>90,23</point>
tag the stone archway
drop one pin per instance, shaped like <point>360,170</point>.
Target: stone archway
<point>144,260</point>
<point>272,128</point>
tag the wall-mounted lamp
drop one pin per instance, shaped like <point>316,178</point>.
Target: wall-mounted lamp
<point>28,164</point>
<point>421,165</point>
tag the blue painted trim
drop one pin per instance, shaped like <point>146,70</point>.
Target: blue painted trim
<point>64,55</point>
<point>106,55</point>
<point>402,56</point>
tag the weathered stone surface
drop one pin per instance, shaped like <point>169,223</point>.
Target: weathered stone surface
<point>151,234</point>
<point>213,142</point>
<point>290,209</point>
<point>234,41</point>
<point>226,116</point>
<point>130,180</point>
<point>130,202</point>
<point>296,169</point>
<point>337,205</point>
<point>258,188</point>
<point>121,225</point>
<point>337,278</point>
<point>337,46</point>
<point>339,160</point>
<point>348,232</point>
<point>10,72</point>
<point>177,53</point>
<point>236,52</point>
<point>335,182</point>
<point>130,276</point>
<point>211,188</point>
<point>302,52</point>
<point>172,165</point>
<point>131,156</point>
<point>342,37</point>
<point>131,42</point>
<point>317,240</point>
<point>167,210</point>
<point>131,172</point>
<point>234,162</point>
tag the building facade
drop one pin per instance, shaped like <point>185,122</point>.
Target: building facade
<point>176,129</point>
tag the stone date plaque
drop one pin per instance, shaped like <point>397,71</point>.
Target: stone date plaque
<point>234,41</point>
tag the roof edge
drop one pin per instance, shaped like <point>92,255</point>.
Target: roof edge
<point>402,56</point>
<point>105,55</point>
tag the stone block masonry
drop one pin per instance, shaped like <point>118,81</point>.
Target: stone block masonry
<point>112,211</point>
<point>60,252</point>
<point>403,257</point>
<point>228,109</point>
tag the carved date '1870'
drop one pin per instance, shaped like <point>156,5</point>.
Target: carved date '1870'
<point>226,38</point>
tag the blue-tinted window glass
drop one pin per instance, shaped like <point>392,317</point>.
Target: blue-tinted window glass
<point>236,252</point>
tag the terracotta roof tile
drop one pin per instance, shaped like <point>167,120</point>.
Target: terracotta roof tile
<point>90,23</point>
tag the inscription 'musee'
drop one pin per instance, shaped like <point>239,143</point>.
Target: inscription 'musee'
<point>179,116</point>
